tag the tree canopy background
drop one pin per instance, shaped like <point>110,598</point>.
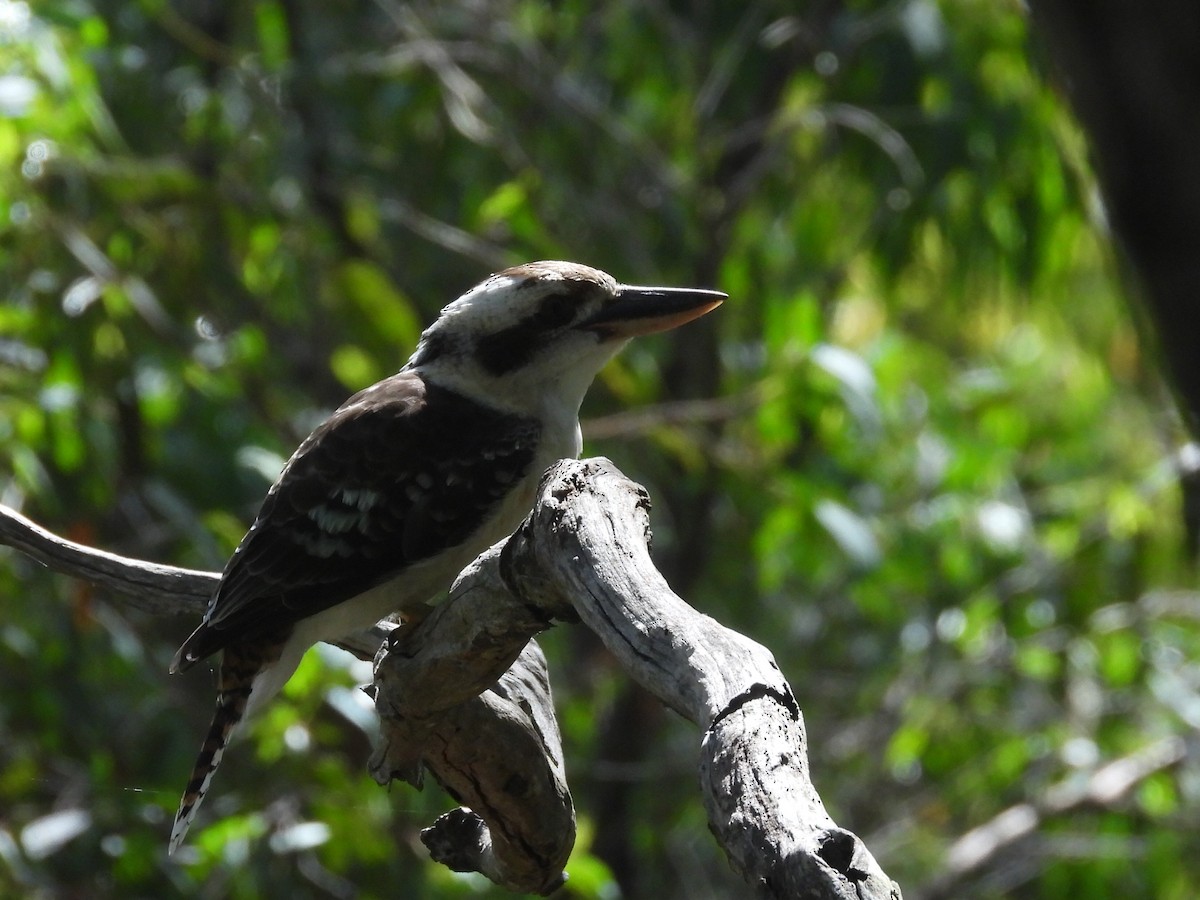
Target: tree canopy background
<point>922,453</point>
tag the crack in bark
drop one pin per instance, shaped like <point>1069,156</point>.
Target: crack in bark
<point>756,692</point>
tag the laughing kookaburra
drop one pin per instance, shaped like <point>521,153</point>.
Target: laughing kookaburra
<point>411,478</point>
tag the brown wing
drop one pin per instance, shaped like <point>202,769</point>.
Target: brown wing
<point>400,472</point>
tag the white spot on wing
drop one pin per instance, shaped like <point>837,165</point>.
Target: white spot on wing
<point>360,498</point>
<point>338,519</point>
<point>325,545</point>
<point>335,521</point>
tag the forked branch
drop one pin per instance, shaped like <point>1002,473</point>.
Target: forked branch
<point>583,554</point>
<point>464,694</point>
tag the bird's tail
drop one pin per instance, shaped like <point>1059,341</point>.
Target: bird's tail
<point>238,673</point>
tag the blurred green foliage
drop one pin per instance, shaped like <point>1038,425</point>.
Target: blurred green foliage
<point>920,454</point>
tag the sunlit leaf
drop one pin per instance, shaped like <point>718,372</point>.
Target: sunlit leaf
<point>851,531</point>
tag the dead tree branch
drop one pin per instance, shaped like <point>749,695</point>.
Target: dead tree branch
<point>151,587</point>
<point>583,553</point>
<point>464,694</point>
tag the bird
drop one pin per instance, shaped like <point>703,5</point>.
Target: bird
<point>411,478</point>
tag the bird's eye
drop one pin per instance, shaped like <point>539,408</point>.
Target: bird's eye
<point>512,347</point>
<point>555,311</point>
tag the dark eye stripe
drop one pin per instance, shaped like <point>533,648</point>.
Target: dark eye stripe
<point>508,350</point>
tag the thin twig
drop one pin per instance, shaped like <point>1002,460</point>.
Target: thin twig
<point>156,588</point>
<point>151,587</point>
<point>978,848</point>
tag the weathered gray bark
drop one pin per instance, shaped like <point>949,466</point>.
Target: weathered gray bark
<point>464,694</point>
<point>154,588</point>
<point>583,552</point>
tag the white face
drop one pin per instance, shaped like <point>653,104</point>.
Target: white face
<point>532,338</point>
<point>517,336</point>
<point>508,297</point>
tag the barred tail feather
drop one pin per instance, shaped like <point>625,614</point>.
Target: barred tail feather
<point>231,706</point>
<point>251,674</point>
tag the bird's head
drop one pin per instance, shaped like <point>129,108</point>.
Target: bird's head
<point>546,328</point>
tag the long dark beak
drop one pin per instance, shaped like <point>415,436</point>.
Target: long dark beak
<point>645,310</point>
